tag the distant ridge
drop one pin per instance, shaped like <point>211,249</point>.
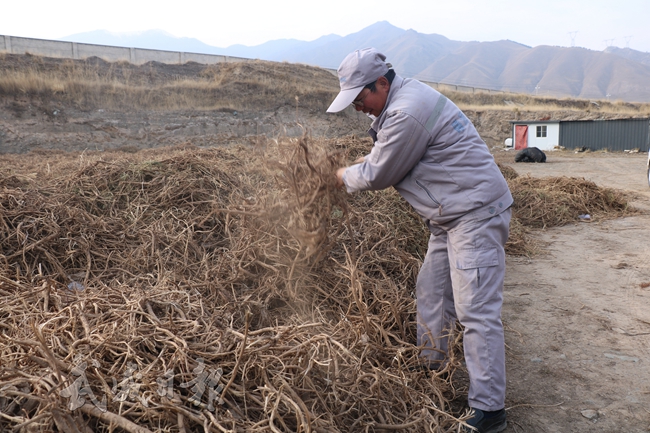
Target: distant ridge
<point>636,56</point>
<point>150,39</point>
<point>616,73</point>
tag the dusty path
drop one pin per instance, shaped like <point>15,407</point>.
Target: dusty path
<point>578,317</point>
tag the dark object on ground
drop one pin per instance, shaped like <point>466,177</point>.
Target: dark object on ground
<point>530,154</point>
<point>487,422</point>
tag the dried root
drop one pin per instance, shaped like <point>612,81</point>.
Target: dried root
<point>225,289</point>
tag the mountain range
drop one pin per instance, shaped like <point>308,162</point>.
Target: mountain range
<point>615,73</point>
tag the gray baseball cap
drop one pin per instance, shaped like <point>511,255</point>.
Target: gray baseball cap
<point>358,69</point>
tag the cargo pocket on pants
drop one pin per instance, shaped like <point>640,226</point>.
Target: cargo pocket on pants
<point>473,266</point>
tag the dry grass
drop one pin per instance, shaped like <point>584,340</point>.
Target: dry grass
<point>556,201</point>
<point>517,102</point>
<point>248,260</point>
<point>256,85</point>
<point>237,86</point>
<point>551,202</point>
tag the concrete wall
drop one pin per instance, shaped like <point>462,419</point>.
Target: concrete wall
<point>75,50</point>
<point>111,54</point>
<point>139,56</point>
<point>37,46</point>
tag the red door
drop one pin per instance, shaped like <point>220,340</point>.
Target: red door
<point>521,137</point>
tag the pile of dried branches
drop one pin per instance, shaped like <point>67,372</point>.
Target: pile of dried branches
<point>556,201</point>
<point>215,290</point>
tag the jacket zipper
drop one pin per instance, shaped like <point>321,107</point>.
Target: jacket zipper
<point>430,196</point>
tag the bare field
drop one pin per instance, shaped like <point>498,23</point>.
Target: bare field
<point>577,321</point>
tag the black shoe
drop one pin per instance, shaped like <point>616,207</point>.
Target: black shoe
<point>487,422</point>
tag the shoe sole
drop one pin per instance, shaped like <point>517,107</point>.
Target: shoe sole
<point>498,428</point>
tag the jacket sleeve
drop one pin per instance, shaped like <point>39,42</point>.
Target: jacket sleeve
<point>401,143</point>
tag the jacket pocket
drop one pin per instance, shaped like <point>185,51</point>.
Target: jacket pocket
<point>474,274</point>
<point>428,193</point>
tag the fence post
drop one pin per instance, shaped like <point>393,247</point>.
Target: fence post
<point>75,51</point>
<point>132,55</point>
<point>8,44</point>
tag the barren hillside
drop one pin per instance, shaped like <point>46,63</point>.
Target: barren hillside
<point>75,105</point>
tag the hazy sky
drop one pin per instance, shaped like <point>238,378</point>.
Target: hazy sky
<point>222,23</point>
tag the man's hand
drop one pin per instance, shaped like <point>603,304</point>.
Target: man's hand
<point>339,177</point>
<point>340,171</point>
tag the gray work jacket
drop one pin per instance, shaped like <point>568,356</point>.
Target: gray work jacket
<point>431,153</point>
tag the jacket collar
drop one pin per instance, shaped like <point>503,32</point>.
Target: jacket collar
<point>394,87</point>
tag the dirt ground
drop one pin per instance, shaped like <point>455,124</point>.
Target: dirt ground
<point>577,317</point>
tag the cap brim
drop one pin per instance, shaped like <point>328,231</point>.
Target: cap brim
<point>343,99</point>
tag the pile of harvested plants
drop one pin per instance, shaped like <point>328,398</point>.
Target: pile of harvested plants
<point>225,289</point>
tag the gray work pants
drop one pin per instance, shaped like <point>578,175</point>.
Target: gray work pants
<point>462,278</point>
